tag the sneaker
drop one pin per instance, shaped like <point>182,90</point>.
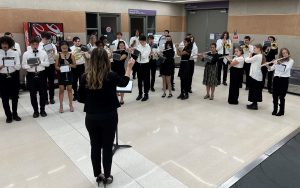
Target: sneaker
<point>43,114</point>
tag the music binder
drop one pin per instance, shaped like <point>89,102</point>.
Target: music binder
<point>9,61</point>
<point>127,89</point>
<point>33,61</point>
<point>48,47</point>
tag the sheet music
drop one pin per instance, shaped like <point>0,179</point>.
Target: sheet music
<point>64,68</point>
<point>9,61</point>
<point>116,56</point>
<point>127,89</point>
<point>34,61</point>
<point>48,47</point>
<point>280,68</point>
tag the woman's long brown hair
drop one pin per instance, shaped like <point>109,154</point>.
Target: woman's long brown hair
<point>259,46</point>
<point>97,69</point>
<point>281,56</point>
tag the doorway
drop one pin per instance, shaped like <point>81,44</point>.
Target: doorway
<point>137,23</point>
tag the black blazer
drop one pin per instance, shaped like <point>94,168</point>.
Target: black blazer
<point>102,100</point>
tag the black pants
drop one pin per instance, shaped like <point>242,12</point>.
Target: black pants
<point>153,67</point>
<point>77,74</point>
<point>50,74</point>
<point>134,70</point>
<point>222,65</point>
<point>173,75</point>
<point>269,75</point>
<point>102,134</point>
<point>37,84</point>
<point>247,67</point>
<point>143,73</point>
<point>192,70</point>
<point>184,74</point>
<point>255,90</point>
<point>280,88</point>
<point>234,87</point>
<point>9,88</point>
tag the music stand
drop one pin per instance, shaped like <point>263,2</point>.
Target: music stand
<point>127,89</point>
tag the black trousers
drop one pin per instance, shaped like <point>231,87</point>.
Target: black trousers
<point>37,84</point>
<point>234,87</point>
<point>102,131</point>
<point>153,68</point>
<point>50,74</point>
<point>222,65</point>
<point>184,74</point>
<point>143,73</point>
<point>255,90</point>
<point>280,88</point>
<point>247,67</point>
<point>77,74</point>
<point>9,88</point>
<point>192,70</point>
<point>134,70</point>
<point>269,75</point>
<point>173,75</point>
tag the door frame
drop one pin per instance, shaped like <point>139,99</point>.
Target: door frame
<point>137,16</point>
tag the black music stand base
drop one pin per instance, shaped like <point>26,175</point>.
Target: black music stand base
<point>117,146</point>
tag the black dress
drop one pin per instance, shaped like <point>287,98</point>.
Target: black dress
<point>210,77</point>
<point>65,78</point>
<point>119,66</point>
<point>168,64</point>
<point>184,70</point>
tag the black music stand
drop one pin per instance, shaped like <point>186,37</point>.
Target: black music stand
<point>127,89</point>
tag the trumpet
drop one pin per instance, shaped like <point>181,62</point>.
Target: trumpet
<point>274,45</point>
<point>245,47</point>
<point>280,59</point>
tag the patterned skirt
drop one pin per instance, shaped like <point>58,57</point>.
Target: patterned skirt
<point>210,77</point>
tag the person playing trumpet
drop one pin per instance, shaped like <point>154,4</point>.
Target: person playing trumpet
<point>270,52</point>
<point>247,50</point>
<point>282,69</point>
<point>224,46</point>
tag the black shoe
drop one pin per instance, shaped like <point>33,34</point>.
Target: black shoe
<point>139,97</point>
<point>190,91</point>
<point>152,89</point>
<point>16,118</point>
<point>99,179</point>
<point>280,113</point>
<point>252,106</point>
<point>109,180</point>
<point>9,120</point>
<point>274,113</point>
<point>164,95</point>
<point>224,83</point>
<point>173,88</point>
<point>47,102</point>
<point>43,114</point>
<point>134,77</point>
<point>170,96</point>
<point>186,96</point>
<point>52,101</point>
<point>180,96</point>
<point>146,97</point>
<point>36,115</point>
<point>270,91</point>
<point>247,88</point>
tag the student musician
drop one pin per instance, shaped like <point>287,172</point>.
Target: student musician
<point>184,70</point>
<point>167,68</point>
<point>133,43</point>
<point>224,46</point>
<point>118,66</point>
<point>49,71</point>
<point>64,62</point>
<point>270,52</point>
<point>210,78</point>
<point>153,60</point>
<point>143,68</point>
<point>9,78</point>
<point>80,58</point>
<point>193,59</point>
<point>236,74</point>
<point>282,74</point>
<point>255,82</point>
<point>119,36</point>
<point>36,76</point>
<point>92,44</point>
<point>247,49</point>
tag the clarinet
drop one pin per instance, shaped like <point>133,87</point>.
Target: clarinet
<point>36,72</point>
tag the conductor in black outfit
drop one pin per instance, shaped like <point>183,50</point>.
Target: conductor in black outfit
<point>98,92</point>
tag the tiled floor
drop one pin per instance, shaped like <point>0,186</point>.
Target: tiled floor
<point>194,143</point>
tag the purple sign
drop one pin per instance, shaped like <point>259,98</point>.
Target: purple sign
<point>142,12</point>
<point>208,5</point>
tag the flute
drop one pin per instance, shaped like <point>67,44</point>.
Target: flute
<point>268,63</point>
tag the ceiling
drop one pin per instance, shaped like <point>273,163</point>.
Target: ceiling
<point>184,1</point>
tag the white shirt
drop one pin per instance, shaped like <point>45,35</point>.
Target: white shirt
<point>42,55</point>
<point>136,39</point>
<point>194,55</point>
<point>18,48</point>
<point>116,42</point>
<point>249,51</point>
<point>220,46</point>
<point>14,56</point>
<point>240,61</point>
<point>284,69</point>
<point>255,69</point>
<point>76,51</point>
<point>145,53</point>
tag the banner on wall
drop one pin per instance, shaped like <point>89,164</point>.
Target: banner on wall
<point>34,29</point>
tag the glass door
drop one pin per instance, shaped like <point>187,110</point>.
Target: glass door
<point>137,23</point>
<point>109,26</point>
